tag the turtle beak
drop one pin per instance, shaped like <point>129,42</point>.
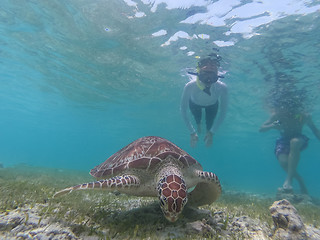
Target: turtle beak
<point>172,209</point>
<point>172,217</point>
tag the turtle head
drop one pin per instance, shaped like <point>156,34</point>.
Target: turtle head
<point>172,195</point>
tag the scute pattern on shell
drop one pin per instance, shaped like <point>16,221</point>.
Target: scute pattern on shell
<point>144,153</point>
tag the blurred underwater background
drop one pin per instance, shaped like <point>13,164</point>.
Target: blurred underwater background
<point>81,79</point>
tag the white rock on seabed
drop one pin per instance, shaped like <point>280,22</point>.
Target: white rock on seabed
<point>26,223</point>
<point>217,225</point>
<point>288,223</point>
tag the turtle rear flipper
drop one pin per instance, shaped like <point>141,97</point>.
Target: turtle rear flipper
<point>206,191</point>
<point>114,183</point>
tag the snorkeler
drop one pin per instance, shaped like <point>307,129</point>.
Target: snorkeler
<point>205,92</point>
<point>289,122</point>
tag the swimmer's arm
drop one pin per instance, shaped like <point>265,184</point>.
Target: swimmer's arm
<point>223,105</point>
<point>269,124</point>
<point>312,126</point>
<point>184,106</point>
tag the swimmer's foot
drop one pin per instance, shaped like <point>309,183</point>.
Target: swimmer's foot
<point>285,190</point>
<point>287,185</point>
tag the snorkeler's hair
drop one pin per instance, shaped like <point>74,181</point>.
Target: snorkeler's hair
<point>210,60</point>
<point>291,99</point>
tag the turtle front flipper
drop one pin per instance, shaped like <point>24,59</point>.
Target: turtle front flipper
<point>206,191</point>
<point>115,183</point>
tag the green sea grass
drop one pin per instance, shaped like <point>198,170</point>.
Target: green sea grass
<point>112,215</point>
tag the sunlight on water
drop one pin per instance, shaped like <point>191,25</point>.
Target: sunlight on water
<point>81,79</point>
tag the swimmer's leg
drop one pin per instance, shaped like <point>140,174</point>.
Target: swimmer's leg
<point>211,112</point>
<point>293,160</point>
<point>283,160</point>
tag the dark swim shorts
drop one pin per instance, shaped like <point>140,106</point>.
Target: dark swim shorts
<point>283,145</point>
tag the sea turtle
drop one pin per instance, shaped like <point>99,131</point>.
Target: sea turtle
<point>155,167</point>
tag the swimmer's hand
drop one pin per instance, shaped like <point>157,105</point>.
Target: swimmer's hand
<point>270,125</point>
<point>208,139</point>
<point>276,123</point>
<point>194,139</point>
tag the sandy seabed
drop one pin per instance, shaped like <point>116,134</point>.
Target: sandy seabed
<point>28,211</point>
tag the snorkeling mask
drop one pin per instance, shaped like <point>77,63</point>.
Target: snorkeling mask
<point>207,75</point>
<point>207,70</point>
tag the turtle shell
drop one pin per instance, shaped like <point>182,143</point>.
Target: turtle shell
<point>144,153</point>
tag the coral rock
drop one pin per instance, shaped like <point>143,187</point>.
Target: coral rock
<point>287,222</point>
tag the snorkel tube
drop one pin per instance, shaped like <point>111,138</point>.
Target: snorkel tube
<point>199,84</point>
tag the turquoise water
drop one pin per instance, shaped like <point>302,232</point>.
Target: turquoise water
<point>81,79</point>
